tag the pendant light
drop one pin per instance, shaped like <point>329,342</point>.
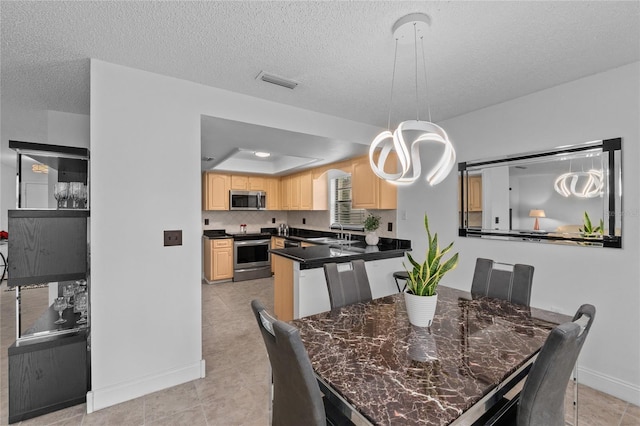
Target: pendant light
<point>408,29</point>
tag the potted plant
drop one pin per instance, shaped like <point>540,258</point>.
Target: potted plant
<point>371,224</point>
<point>588,230</point>
<point>420,296</point>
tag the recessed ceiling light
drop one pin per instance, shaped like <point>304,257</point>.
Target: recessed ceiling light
<point>262,154</point>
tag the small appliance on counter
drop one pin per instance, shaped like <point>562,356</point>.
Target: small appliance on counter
<point>283,229</point>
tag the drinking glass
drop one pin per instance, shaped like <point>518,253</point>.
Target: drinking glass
<point>60,305</point>
<point>82,302</point>
<point>61,193</point>
<point>75,193</point>
<point>67,292</point>
<point>84,196</point>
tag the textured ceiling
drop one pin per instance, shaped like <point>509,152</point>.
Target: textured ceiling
<point>478,53</point>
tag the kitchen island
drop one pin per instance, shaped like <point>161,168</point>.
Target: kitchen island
<point>300,287</point>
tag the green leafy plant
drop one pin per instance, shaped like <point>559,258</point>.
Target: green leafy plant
<point>588,230</point>
<point>371,223</point>
<point>424,277</point>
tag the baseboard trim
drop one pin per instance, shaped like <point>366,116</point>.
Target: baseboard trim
<point>98,399</point>
<point>610,385</point>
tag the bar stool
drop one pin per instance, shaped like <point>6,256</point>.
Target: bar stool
<point>401,275</point>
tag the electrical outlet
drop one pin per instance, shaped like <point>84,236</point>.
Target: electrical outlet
<point>497,220</point>
<point>173,238</point>
<point>304,221</point>
<point>390,226</point>
<point>206,221</point>
<point>273,220</point>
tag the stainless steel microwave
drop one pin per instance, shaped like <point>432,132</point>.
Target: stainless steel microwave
<point>247,200</point>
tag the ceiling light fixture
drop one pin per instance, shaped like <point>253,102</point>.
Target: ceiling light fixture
<point>39,168</point>
<point>593,183</point>
<point>406,29</point>
<point>262,154</point>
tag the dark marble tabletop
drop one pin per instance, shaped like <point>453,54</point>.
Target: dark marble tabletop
<point>395,373</point>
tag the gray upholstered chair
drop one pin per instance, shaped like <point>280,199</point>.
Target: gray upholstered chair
<point>297,399</point>
<point>541,401</point>
<point>348,286</point>
<point>502,281</point>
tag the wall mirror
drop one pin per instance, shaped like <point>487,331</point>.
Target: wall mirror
<point>568,195</point>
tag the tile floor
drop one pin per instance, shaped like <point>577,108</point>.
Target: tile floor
<point>235,391</point>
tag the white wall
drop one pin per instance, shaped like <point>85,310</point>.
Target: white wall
<point>601,106</point>
<point>145,174</point>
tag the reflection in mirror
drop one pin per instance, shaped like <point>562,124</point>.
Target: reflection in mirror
<point>570,195</point>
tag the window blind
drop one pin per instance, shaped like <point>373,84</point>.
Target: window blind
<point>341,211</point>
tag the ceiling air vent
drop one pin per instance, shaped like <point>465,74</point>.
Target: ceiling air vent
<point>277,80</point>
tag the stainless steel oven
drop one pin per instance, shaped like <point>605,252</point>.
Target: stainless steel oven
<point>251,257</point>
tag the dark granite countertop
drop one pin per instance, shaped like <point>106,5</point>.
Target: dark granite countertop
<point>317,255</point>
<point>395,373</point>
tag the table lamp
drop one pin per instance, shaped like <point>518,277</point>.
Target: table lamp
<point>536,213</point>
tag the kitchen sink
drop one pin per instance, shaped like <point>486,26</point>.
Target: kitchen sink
<point>336,252</point>
<point>330,240</point>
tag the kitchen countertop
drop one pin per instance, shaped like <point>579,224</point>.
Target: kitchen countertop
<point>317,255</point>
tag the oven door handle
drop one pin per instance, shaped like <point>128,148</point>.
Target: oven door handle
<point>251,242</point>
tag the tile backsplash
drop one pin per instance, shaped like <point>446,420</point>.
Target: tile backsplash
<point>231,220</point>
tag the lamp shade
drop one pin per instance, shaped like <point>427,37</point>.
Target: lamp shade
<point>536,213</point>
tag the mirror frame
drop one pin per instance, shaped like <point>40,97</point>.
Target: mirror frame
<point>613,163</point>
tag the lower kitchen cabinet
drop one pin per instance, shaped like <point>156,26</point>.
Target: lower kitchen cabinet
<point>218,259</point>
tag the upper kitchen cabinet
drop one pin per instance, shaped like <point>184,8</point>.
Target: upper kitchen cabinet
<point>215,191</point>
<point>306,191</point>
<point>297,191</point>
<point>285,193</point>
<point>248,183</point>
<point>368,190</point>
<point>272,187</point>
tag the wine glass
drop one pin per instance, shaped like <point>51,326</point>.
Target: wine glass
<point>60,305</point>
<point>61,193</point>
<point>75,192</point>
<point>67,292</point>
<point>84,195</point>
<point>82,302</point>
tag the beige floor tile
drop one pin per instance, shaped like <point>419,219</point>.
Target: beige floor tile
<point>70,414</point>
<point>597,408</point>
<point>192,417</point>
<point>631,416</point>
<point>130,413</point>
<point>170,401</point>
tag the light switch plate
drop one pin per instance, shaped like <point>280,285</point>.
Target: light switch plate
<point>173,238</point>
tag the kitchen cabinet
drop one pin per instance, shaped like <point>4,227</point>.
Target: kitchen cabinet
<point>306,191</point>
<point>48,366</point>
<point>368,191</point>
<point>285,193</point>
<point>295,192</point>
<point>248,183</point>
<point>218,259</point>
<point>475,193</point>
<point>276,243</point>
<point>215,191</point>
<point>272,185</point>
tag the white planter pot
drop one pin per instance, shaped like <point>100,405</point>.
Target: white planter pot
<point>420,309</point>
<point>372,238</point>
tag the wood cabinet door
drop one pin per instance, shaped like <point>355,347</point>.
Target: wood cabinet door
<point>364,185</point>
<point>475,193</point>
<point>273,193</point>
<point>295,193</point>
<point>388,192</point>
<point>257,183</point>
<point>215,190</point>
<point>240,182</point>
<point>306,191</point>
<point>208,259</point>
<point>223,263</point>
<point>285,193</point>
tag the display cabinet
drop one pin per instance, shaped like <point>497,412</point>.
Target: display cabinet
<point>49,245</point>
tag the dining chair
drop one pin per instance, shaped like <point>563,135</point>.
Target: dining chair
<point>296,398</point>
<point>347,286</point>
<point>541,401</point>
<point>502,281</point>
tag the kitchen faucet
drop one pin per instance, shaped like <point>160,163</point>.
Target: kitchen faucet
<point>341,234</point>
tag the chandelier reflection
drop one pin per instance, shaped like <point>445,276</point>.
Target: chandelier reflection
<point>407,145</point>
<point>587,184</point>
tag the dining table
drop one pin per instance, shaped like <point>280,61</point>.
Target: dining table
<point>379,369</point>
